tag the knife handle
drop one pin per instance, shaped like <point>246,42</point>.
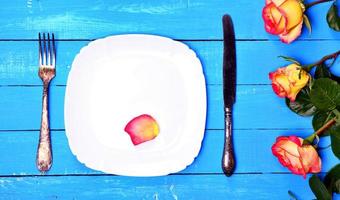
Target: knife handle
<point>228,160</point>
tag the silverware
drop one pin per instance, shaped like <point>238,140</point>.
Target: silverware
<point>47,60</point>
<point>229,92</point>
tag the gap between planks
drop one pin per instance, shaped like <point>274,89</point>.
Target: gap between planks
<point>237,129</point>
<point>175,174</point>
<point>181,40</point>
<point>63,85</point>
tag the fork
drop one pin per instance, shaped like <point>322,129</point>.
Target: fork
<point>47,61</point>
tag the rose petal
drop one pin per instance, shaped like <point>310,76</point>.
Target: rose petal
<point>290,147</point>
<point>288,81</point>
<point>282,81</point>
<point>310,159</point>
<point>297,158</point>
<point>316,167</point>
<point>292,10</point>
<point>278,2</point>
<point>296,140</point>
<point>294,161</point>
<point>275,22</point>
<point>281,138</point>
<point>142,128</point>
<point>292,35</point>
<point>279,91</point>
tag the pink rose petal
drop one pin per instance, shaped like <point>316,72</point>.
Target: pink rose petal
<point>142,129</point>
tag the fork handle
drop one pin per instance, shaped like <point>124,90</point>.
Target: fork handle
<point>44,154</point>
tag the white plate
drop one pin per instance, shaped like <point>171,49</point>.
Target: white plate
<point>117,78</point>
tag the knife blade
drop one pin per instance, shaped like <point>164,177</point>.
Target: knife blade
<point>229,91</point>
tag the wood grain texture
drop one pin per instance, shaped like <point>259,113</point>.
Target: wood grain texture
<point>254,103</point>
<point>259,115</point>
<point>19,59</point>
<point>180,19</point>
<point>188,187</point>
<point>252,150</point>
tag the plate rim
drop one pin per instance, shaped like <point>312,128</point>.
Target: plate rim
<point>197,146</point>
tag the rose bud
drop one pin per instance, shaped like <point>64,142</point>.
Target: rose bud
<point>299,159</point>
<point>288,81</point>
<point>283,18</point>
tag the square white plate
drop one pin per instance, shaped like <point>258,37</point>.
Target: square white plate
<point>117,78</point>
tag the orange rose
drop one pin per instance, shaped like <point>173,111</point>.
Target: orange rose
<point>288,81</point>
<point>298,158</point>
<point>283,18</point>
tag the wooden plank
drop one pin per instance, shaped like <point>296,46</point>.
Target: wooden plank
<point>255,186</point>
<point>252,149</point>
<point>18,60</point>
<point>257,107</point>
<point>181,19</point>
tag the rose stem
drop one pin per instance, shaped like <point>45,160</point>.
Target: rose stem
<point>316,2</point>
<point>333,55</point>
<point>325,126</point>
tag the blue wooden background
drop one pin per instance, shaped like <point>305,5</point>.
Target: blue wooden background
<point>259,115</point>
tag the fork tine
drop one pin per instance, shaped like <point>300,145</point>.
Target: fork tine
<point>54,56</point>
<point>44,50</point>
<point>48,61</point>
<point>40,50</point>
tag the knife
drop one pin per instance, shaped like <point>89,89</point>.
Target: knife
<point>229,92</point>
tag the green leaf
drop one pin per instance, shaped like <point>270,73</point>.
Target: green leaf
<point>333,18</point>
<point>302,104</point>
<point>335,140</point>
<point>320,119</point>
<point>292,195</point>
<point>336,78</point>
<point>290,59</point>
<point>307,22</point>
<point>322,71</point>
<point>336,186</point>
<point>325,94</point>
<point>332,179</point>
<point>336,112</point>
<point>319,189</point>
